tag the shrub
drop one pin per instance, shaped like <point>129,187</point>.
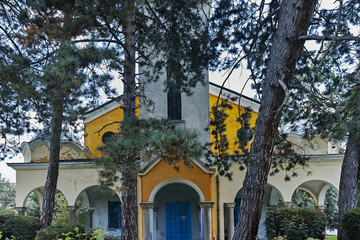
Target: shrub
<point>57,230</point>
<point>351,223</point>
<point>23,227</point>
<point>295,223</point>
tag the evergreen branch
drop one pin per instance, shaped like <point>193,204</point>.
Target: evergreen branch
<point>11,40</point>
<point>95,40</point>
<point>156,16</point>
<point>330,38</point>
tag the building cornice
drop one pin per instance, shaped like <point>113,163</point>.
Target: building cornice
<point>326,158</point>
<point>66,164</point>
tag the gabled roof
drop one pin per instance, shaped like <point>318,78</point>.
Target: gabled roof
<point>245,101</point>
<point>102,109</point>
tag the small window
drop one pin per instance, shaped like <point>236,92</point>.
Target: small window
<point>114,210</point>
<point>245,134</point>
<point>108,136</point>
<point>174,103</point>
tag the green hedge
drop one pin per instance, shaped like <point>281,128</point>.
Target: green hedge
<point>295,223</point>
<point>56,231</point>
<point>351,223</point>
<point>23,228</point>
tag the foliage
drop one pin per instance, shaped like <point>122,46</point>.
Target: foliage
<point>219,153</point>
<point>1,235</point>
<point>303,199</point>
<point>72,232</point>
<point>295,223</point>
<point>61,213</point>
<point>23,227</point>
<point>331,209</point>
<point>7,193</point>
<point>56,230</point>
<point>32,206</point>
<point>351,222</point>
<point>153,139</point>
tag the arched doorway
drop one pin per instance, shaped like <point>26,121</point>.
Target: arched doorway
<point>271,198</point>
<point>177,214</point>
<point>103,208</point>
<point>322,195</point>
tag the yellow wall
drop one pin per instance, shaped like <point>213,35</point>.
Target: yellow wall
<point>163,171</point>
<point>93,138</point>
<point>231,123</point>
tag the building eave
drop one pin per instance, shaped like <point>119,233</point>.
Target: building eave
<point>245,101</point>
<point>65,164</point>
<point>326,158</point>
<point>102,109</point>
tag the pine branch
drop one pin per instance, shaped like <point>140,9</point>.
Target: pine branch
<point>330,38</point>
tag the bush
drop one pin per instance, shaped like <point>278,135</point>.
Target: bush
<point>56,231</point>
<point>24,227</point>
<point>351,223</point>
<point>295,223</point>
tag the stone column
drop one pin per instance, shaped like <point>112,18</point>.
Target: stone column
<point>321,207</point>
<point>207,219</point>
<point>72,213</point>
<point>21,211</point>
<point>229,210</point>
<point>146,206</point>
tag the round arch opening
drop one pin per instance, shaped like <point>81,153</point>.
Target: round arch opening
<point>272,198</point>
<point>100,207</point>
<point>177,212</point>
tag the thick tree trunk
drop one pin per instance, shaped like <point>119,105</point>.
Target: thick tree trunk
<point>53,170</point>
<point>129,229</point>
<point>348,191</point>
<point>293,21</point>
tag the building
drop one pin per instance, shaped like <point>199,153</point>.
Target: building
<point>193,203</point>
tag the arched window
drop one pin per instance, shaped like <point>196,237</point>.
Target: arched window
<point>107,136</point>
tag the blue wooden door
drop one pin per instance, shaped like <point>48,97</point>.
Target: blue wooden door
<point>178,221</point>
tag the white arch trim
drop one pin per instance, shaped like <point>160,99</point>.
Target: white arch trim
<point>87,196</point>
<point>176,180</point>
<point>311,194</point>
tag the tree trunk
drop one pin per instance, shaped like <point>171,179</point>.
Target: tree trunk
<point>129,229</point>
<point>348,191</point>
<point>294,20</point>
<point>53,170</point>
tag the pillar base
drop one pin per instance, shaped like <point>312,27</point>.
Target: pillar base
<point>21,210</point>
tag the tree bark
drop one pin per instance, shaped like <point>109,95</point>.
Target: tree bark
<point>294,20</point>
<point>129,229</point>
<point>348,191</point>
<point>53,170</point>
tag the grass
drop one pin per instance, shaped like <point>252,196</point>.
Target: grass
<point>330,238</point>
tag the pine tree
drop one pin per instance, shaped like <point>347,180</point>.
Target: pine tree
<point>55,75</point>
<point>163,41</point>
<point>254,32</point>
